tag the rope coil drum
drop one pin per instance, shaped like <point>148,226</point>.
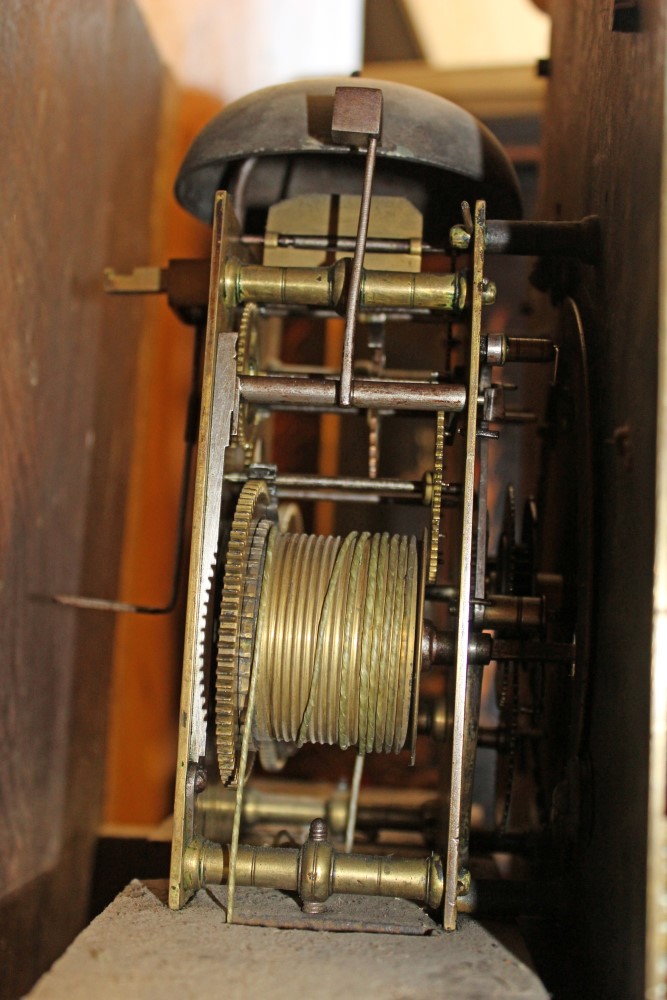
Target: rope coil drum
<point>336,650</point>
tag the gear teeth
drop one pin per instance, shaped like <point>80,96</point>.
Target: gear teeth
<point>246,414</point>
<point>436,501</point>
<point>238,609</point>
<point>201,641</point>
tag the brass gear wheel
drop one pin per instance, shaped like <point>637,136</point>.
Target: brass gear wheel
<point>246,431</point>
<point>436,496</point>
<point>239,604</point>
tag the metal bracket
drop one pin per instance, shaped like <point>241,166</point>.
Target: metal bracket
<point>456,790</point>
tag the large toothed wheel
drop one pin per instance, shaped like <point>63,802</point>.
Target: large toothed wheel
<point>239,608</point>
<point>436,501</point>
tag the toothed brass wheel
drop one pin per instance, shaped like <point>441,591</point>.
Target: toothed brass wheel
<point>246,364</point>
<point>436,498</point>
<point>239,605</point>
<point>329,624</point>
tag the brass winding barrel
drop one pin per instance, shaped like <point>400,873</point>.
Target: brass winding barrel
<point>335,641</point>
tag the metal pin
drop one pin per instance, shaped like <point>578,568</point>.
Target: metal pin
<point>355,281</point>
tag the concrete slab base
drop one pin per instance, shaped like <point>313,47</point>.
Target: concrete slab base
<point>139,949</point>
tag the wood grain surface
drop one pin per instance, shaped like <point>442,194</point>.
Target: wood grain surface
<point>603,155</point>
<point>148,650</point>
<point>80,90</point>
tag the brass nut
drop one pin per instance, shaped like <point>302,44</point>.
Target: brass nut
<point>463,884</point>
<point>192,874</point>
<point>436,882</point>
<point>315,866</point>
